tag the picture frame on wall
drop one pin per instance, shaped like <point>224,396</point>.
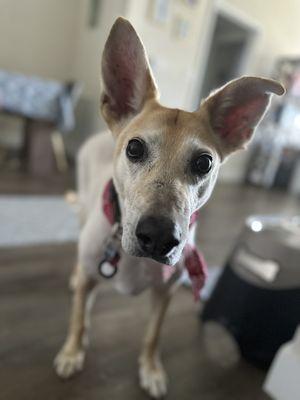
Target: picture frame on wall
<point>191,3</point>
<point>94,7</point>
<point>180,27</point>
<point>160,10</point>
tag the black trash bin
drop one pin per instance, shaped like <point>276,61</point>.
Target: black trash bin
<point>257,298</point>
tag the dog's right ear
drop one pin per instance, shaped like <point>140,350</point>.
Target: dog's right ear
<point>126,75</point>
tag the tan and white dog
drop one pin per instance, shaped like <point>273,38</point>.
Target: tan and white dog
<point>164,163</point>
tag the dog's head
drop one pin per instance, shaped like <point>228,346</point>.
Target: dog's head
<point>167,160</point>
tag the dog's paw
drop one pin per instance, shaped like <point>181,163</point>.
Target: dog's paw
<point>67,363</point>
<point>73,282</point>
<point>153,378</point>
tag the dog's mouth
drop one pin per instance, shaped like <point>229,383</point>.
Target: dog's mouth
<point>168,258</point>
<point>162,259</point>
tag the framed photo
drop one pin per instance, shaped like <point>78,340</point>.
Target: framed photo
<point>93,15</point>
<point>180,27</point>
<point>191,3</point>
<point>160,10</point>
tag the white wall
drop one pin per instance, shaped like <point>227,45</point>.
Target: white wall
<point>39,36</point>
<point>280,32</point>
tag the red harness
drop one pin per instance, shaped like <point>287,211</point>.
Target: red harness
<point>193,260</point>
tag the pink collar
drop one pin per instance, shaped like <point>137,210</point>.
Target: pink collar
<point>194,261</point>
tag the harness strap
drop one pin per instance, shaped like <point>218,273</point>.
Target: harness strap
<point>110,203</point>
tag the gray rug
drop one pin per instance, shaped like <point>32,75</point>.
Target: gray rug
<point>32,220</point>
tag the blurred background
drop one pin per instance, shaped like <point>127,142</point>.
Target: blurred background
<point>249,232</point>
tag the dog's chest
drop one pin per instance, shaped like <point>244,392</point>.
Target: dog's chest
<point>137,274</point>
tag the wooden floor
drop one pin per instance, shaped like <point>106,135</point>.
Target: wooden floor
<point>34,308</point>
<point>18,182</point>
<point>35,303</point>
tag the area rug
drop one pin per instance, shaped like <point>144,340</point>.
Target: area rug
<point>33,220</point>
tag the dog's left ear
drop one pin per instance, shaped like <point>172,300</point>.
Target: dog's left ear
<point>126,75</point>
<point>235,110</point>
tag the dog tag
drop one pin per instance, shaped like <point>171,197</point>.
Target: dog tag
<point>106,269</point>
<point>108,266</point>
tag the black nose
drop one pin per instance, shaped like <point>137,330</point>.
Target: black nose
<point>157,235</point>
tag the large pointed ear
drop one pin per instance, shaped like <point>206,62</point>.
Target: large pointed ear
<point>126,75</point>
<point>235,110</point>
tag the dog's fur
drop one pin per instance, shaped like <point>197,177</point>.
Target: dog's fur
<point>223,124</point>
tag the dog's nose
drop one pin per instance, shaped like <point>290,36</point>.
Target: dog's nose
<point>157,235</point>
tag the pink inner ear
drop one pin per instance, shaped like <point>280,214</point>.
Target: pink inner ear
<point>239,121</point>
<point>124,71</point>
<point>120,77</point>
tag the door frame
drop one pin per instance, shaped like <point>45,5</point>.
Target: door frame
<point>214,10</point>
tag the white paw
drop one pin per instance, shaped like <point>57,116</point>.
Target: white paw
<point>73,282</point>
<point>67,363</point>
<point>153,378</point>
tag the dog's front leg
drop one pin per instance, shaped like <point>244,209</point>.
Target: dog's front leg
<point>70,359</point>
<point>153,378</point>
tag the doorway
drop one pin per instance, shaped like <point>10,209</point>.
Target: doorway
<point>229,51</point>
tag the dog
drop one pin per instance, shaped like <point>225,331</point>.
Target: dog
<point>164,163</point>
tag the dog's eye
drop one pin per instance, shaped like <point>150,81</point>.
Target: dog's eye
<point>202,164</point>
<point>135,150</point>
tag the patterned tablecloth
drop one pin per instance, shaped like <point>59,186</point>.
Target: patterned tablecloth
<point>39,99</point>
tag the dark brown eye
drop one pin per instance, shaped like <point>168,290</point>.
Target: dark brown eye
<point>136,150</point>
<point>201,164</point>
